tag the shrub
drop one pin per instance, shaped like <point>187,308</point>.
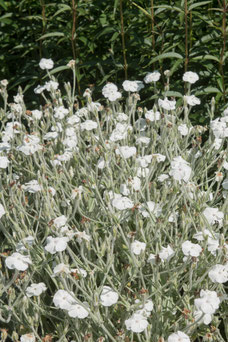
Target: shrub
<point>113,217</point>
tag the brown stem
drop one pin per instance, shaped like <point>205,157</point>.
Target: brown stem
<point>42,3</point>
<point>73,39</point>
<point>223,49</point>
<point>73,28</point>
<point>123,40</point>
<point>152,23</point>
<point>186,34</point>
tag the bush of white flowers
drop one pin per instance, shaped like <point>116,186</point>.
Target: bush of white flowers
<point>113,218</point>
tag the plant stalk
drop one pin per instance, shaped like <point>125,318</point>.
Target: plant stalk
<point>123,39</point>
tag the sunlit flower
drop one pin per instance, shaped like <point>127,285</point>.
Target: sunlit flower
<point>35,289</point>
<point>213,215</point>
<point>190,77</point>
<point>28,338</point>
<point>133,86</point>
<point>4,162</point>
<point>166,104</point>
<point>152,77</point>
<point>108,296</point>
<point>180,169</point>
<point>166,253</point>
<point>76,310</point>
<point>88,125</point>
<point>32,186</point>
<point>58,244</point>
<point>2,211</point>
<point>126,151</point>
<point>192,100</point>
<point>179,336</point>
<point>122,203</point>
<point>138,247</point>
<point>63,300</point>
<point>18,261</point>
<point>136,323</point>
<point>219,273</point>
<point>46,64</point>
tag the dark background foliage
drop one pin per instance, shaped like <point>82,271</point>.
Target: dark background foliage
<point>117,40</point>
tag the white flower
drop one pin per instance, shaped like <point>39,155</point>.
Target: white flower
<point>208,302</point>
<point>74,119</point>
<point>60,221</point>
<point>32,186</point>
<point>63,300</point>
<point>61,268</point>
<point>166,104</point>
<point>136,323</point>
<point>143,140</point>
<point>35,289</point>
<point>191,249</point>
<point>78,311</point>
<point>205,318</point>
<point>190,77</point>
<point>212,242</point>
<point>166,253</point>
<point>137,247</point>
<point>80,271</point>
<point>36,114</point>
<point>192,100</point>
<point>108,296</point>
<point>180,169</point>
<point>133,86</point>
<point>152,77</point>
<point>162,177</point>
<point>28,338</point>
<point>46,64</point>
<point>159,157</point>
<point>219,128</point>
<point>150,207</point>
<point>225,184</point>
<point>110,91</point>
<point>39,89</point>
<point>152,259</point>
<point>135,182</point>
<point>152,116</point>
<point>18,261</point>
<point>217,143</point>
<point>219,273</point>
<point>122,203</point>
<point>179,336</point>
<point>30,145</point>
<point>94,106</point>
<point>183,129</point>
<point>213,215</point>
<point>51,135</point>
<point>124,190</point>
<point>60,112</point>
<point>4,162</point>
<point>51,85</point>
<point>145,160</point>
<point>143,171</point>
<point>82,236</point>
<point>88,125</point>
<point>23,244</point>
<point>225,165</point>
<point>126,151</point>
<point>120,132</point>
<point>2,211</point>
<point>57,244</point>
<point>121,117</point>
